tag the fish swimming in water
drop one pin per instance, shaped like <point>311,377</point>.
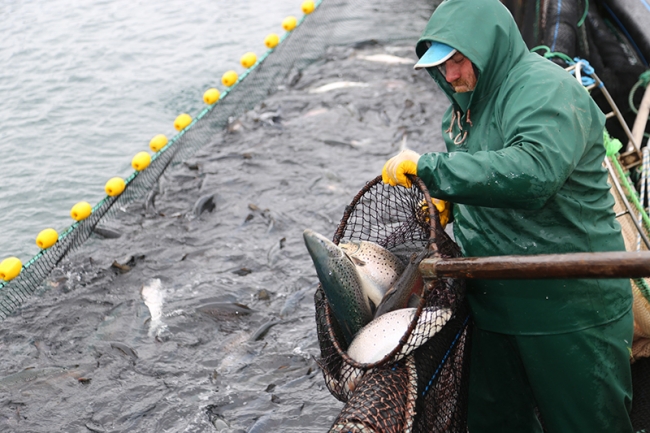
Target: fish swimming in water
<point>338,85</point>
<point>377,267</point>
<point>388,59</point>
<point>153,296</point>
<point>204,203</point>
<point>38,376</point>
<point>407,290</point>
<point>341,283</point>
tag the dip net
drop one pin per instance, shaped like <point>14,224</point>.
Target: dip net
<point>421,384</point>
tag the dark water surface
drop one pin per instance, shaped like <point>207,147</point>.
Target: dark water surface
<point>201,319</point>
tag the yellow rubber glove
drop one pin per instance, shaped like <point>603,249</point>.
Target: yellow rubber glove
<point>395,170</point>
<point>444,210</point>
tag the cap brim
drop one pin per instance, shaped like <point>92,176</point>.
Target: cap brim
<point>436,54</point>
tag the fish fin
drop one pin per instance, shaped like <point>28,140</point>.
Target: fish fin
<point>357,261</point>
<point>373,307</point>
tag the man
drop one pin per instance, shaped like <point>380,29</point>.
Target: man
<point>524,171</point>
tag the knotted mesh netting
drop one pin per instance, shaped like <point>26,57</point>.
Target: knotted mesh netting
<point>420,384</point>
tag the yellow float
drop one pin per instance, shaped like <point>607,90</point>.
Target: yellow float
<point>81,211</point>
<point>248,60</point>
<point>229,78</point>
<point>158,142</point>
<point>115,186</point>
<point>211,96</point>
<point>289,23</point>
<point>10,268</point>
<point>140,161</point>
<point>307,7</point>
<point>182,121</point>
<point>46,238</point>
<point>272,40</point>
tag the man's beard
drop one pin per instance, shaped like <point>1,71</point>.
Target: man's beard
<point>462,86</point>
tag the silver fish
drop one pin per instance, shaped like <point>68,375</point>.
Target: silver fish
<point>377,267</point>
<point>35,376</point>
<point>153,296</point>
<point>341,283</point>
<point>338,85</point>
<point>379,337</point>
<point>388,59</point>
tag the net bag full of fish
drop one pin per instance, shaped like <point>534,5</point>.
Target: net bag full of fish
<point>394,346</point>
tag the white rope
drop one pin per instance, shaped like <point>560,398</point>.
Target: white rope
<point>645,170</point>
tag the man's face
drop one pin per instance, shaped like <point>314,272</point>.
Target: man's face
<point>458,72</point>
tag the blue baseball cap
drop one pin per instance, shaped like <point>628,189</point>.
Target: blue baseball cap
<point>436,54</point>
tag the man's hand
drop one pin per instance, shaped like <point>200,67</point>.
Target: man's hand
<point>396,168</point>
<point>444,210</point>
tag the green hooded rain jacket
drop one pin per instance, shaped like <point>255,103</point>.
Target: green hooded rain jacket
<point>524,169</point>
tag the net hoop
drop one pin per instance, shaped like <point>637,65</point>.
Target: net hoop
<point>417,188</point>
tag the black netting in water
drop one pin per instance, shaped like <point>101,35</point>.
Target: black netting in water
<point>421,384</point>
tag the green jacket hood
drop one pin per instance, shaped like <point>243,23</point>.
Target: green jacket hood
<point>484,32</point>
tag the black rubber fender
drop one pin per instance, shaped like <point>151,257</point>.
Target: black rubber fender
<point>633,17</point>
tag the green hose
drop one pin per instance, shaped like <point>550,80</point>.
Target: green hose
<point>550,54</point>
<point>643,286</point>
<point>584,15</point>
<point>632,196</point>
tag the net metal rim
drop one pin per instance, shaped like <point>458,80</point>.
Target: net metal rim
<point>434,224</point>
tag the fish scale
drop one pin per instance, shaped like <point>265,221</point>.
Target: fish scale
<point>377,267</point>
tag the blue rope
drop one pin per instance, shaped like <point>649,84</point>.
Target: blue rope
<point>557,24</point>
<point>444,358</point>
<point>587,69</point>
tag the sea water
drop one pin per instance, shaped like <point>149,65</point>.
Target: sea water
<point>85,86</point>
<point>190,322</point>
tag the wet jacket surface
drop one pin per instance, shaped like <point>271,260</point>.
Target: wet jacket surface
<point>524,169</point>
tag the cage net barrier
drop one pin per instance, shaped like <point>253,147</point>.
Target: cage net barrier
<point>333,22</point>
<point>421,384</point>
